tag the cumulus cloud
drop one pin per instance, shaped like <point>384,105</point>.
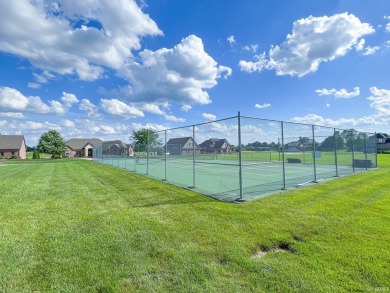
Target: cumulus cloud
<point>33,85</point>
<point>371,50</point>
<point>265,105</point>
<point>380,101</point>
<point>87,106</point>
<point>179,74</point>
<point>39,78</point>
<point>231,40</point>
<point>387,28</point>
<point>68,99</point>
<point>253,48</point>
<point>155,109</point>
<point>74,37</point>
<point>186,108</point>
<point>360,45</point>
<point>152,126</point>
<point>313,40</point>
<point>339,94</point>
<point>12,99</point>
<point>151,108</point>
<point>210,117</point>
<point>68,123</point>
<point>118,108</point>
<point>173,118</point>
<point>11,115</point>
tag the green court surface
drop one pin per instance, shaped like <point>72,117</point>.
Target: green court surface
<point>219,177</point>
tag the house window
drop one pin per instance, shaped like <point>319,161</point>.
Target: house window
<point>78,153</point>
<point>1,154</point>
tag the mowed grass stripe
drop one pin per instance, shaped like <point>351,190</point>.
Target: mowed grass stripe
<point>78,226</point>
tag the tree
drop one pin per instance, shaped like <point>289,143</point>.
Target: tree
<point>328,143</point>
<point>141,138</point>
<point>52,143</point>
<point>354,140</point>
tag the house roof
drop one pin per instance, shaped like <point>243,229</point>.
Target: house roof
<point>79,143</point>
<point>11,142</point>
<point>119,143</point>
<point>213,143</point>
<point>382,135</point>
<point>178,140</point>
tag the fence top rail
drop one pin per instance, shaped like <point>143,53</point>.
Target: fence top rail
<point>198,124</point>
<point>262,119</point>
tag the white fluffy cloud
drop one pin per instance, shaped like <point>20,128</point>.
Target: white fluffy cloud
<point>69,99</point>
<point>155,109</point>
<point>186,108</point>
<point>87,106</point>
<point>152,126</point>
<point>34,85</point>
<point>371,50</point>
<point>252,48</point>
<point>380,101</point>
<point>71,36</point>
<point>313,40</point>
<point>12,99</point>
<point>342,122</point>
<point>210,117</point>
<point>339,94</point>
<point>173,118</point>
<point>118,108</point>
<point>179,74</point>
<point>68,123</point>
<point>231,40</point>
<point>265,105</point>
<point>11,115</point>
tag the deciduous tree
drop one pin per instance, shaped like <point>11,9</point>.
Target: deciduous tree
<point>52,143</point>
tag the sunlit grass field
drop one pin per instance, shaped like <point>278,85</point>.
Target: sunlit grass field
<point>77,226</point>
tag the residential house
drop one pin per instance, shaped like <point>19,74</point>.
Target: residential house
<point>215,146</point>
<point>382,141</point>
<point>182,146</point>
<point>302,144</point>
<point>12,146</point>
<point>116,148</point>
<point>81,147</point>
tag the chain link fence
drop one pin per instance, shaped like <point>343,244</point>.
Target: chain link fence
<point>243,158</point>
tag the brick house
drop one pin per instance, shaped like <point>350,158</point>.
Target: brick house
<point>216,146</point>
<point>12,146</point>
<point>81,147</point>
<point>182,146</point>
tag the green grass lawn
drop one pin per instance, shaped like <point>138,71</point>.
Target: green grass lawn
<point>78,226</point>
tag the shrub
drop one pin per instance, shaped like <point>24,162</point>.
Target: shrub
<point>36,155</point>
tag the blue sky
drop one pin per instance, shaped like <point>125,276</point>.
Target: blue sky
<point>105,68</point>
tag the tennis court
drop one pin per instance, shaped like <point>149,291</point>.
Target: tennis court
<point>243,158</point>
<point>220,178</point>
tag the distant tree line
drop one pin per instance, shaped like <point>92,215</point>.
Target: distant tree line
<point>345,140</point>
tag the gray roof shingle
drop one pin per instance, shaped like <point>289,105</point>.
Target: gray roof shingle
<point>79,143</point>
<point>11,142</point>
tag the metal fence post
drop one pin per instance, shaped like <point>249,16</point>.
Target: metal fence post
<point>147,156</point>
<point>376,151</point>
<point>314,154</point>
<point>365,150</point>
<point>165,156</point>
<point>335,151</point>
<point>353,155</point>
<point>284,167</point>
<point>193,156</point>
<point>239,155</point>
